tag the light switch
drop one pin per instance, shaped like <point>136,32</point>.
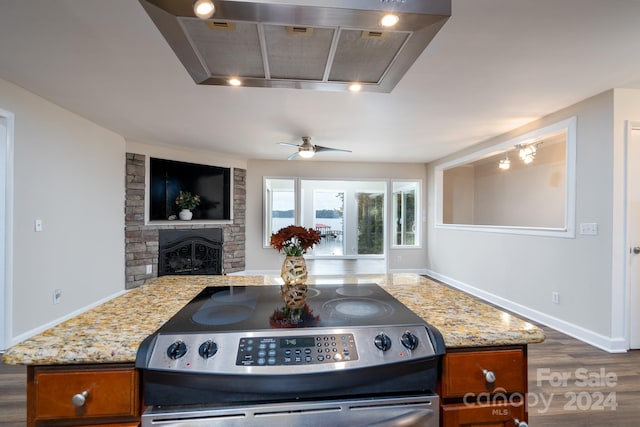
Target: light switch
<point>589,228</point>
<point>37,225</point>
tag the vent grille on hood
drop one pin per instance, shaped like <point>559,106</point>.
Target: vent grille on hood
<point>317,44</point>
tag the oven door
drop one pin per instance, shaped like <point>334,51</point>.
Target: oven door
<point>410,411</point>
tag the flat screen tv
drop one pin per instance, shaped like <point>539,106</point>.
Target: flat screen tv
<point>169,177</point>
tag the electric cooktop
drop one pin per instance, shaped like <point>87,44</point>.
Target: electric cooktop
<point>250,308</point>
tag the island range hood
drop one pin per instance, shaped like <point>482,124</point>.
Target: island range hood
<point>303,44</point>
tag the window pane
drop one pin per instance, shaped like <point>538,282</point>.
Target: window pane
<point>328,219</point>
<point>280,205</point>
<point>370,223</point>
<point>405,213</point>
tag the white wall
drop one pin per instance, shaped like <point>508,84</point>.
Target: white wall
<point>627,109</point>
<point>68,172</point>
<point>458,200</point>
<point>519,271</point>
<point>262,259</point>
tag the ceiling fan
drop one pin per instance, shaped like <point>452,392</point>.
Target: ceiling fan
<point>307,150</point>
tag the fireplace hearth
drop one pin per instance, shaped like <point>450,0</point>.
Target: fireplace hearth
<point>183,252</point>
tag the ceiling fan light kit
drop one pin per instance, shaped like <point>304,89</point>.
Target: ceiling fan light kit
<point>307,150</point>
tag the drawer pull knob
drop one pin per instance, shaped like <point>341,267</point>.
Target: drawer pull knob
<point>489,376</point>
<point>519,423</point>
<point>80,399</point>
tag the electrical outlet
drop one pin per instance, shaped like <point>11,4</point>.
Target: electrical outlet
<point>57,296</point>
<point>149,268</point>
<point>555,297</point>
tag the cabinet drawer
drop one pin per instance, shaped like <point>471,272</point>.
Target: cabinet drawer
<point>111,393</point>
<point>464,372</point>
<point>473,415</point>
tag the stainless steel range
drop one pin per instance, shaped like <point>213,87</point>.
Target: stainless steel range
<point>236,356</point>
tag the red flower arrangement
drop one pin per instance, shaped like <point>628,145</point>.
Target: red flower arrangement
<point>294,240</point>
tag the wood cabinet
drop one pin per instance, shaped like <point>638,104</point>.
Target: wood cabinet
<point>484,387</point>
<point>482,415</point>
<point>478,387</point>
<point>83,395</point>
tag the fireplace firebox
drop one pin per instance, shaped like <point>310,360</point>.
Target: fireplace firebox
<point>197,251</point>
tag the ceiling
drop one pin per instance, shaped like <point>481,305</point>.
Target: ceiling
<point>494,66</point>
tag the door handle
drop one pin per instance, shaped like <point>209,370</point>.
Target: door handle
<point>636,250</point>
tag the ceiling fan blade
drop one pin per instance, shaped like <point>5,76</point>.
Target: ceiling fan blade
<point>288,144</point>
<point>321,148</point>
<point>293,156</point>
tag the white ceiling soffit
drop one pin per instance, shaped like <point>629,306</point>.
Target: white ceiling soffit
<point>307,44</point>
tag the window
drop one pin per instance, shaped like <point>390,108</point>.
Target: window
<point>350,215</point>
<point>524,186</point>
<point>280,205</point>
<point>405,205</point>
<point>355,218</point>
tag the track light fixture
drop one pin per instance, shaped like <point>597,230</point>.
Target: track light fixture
<point>527,154</point>
<point>505,163</point>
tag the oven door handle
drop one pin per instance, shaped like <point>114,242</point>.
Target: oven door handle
<point>415,418</point>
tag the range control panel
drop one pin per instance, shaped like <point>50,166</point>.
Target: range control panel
<point>296,350</point>
<point>287,352</point>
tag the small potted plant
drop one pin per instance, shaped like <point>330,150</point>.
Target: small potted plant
<point>186,201</point>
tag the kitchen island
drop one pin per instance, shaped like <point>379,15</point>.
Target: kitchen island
<point>101,345</point>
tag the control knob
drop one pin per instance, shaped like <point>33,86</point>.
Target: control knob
<point>382,341</point>
<point>409,340</point>
<point>208,349</point>
<point>177,350</point>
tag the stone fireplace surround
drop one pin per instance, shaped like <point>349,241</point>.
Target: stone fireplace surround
<point>141,240</point>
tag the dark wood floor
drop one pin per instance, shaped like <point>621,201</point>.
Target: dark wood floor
<point>13,393</point>
<point>595,381</point>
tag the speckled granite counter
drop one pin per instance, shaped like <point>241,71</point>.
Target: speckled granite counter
<point>113,331</point>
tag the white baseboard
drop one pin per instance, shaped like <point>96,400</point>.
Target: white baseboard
<point>419,271</point>
<point>42,328</point>
<point>609,344</point>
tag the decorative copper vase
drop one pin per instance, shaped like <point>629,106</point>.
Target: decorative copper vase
<point>294,275</point>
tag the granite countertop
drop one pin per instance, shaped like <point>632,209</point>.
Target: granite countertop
<point>112,332</point>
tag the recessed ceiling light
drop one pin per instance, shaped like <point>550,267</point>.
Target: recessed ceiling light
<point>355,87</point>
<point>235,82</point>
<point>204,9</point>
<point>389,20</point>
